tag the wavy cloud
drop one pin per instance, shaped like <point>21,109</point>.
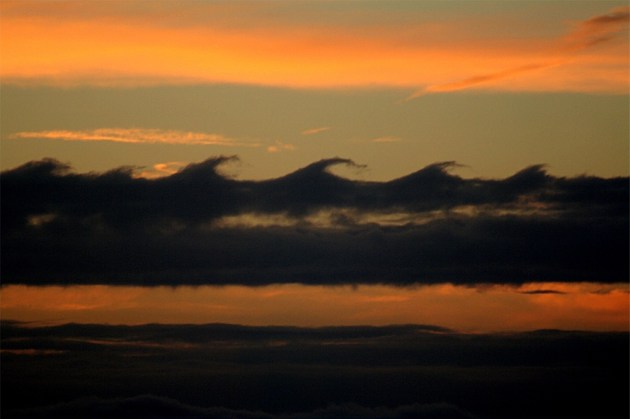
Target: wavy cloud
<point>427,227</point>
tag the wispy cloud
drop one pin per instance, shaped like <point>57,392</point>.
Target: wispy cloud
<point>136,136</point>
<point>587,34</point>
<point>314,131</point>
<point>478,80</point>
<point>160,170</point>
<point>386,139</point>
<point>280,146</point>
<point>598,29</point>
<point>542,292</point>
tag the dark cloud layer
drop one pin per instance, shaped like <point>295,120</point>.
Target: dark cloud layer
<point>148,406</point>
<point>63,227</point>
<point>220,370</point>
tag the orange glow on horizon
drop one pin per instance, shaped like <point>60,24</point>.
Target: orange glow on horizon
<point>495,308</point>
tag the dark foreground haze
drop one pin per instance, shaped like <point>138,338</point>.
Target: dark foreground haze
<point>220,370</point>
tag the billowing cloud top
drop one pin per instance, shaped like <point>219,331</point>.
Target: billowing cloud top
<point>311,226</point>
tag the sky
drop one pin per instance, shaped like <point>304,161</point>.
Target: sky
<point>395,85</point>
<point>285,183</point>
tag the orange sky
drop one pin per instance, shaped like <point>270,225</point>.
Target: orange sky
<point>425,48</point>
<point>497,308</point>
<point>91,43</point>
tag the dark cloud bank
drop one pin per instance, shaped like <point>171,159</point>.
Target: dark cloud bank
<point>63,227</point>
<point>221,371</point>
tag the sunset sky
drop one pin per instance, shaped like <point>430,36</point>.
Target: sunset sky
<point>283,167</point>
<point>395,85</point>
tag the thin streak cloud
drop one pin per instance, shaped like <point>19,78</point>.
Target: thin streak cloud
<point>386,139</point>
<point>587,34</point>
<point>599,29</point>
<point>479,80</point>
<point>314,131</point>
<point>136,136</point>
